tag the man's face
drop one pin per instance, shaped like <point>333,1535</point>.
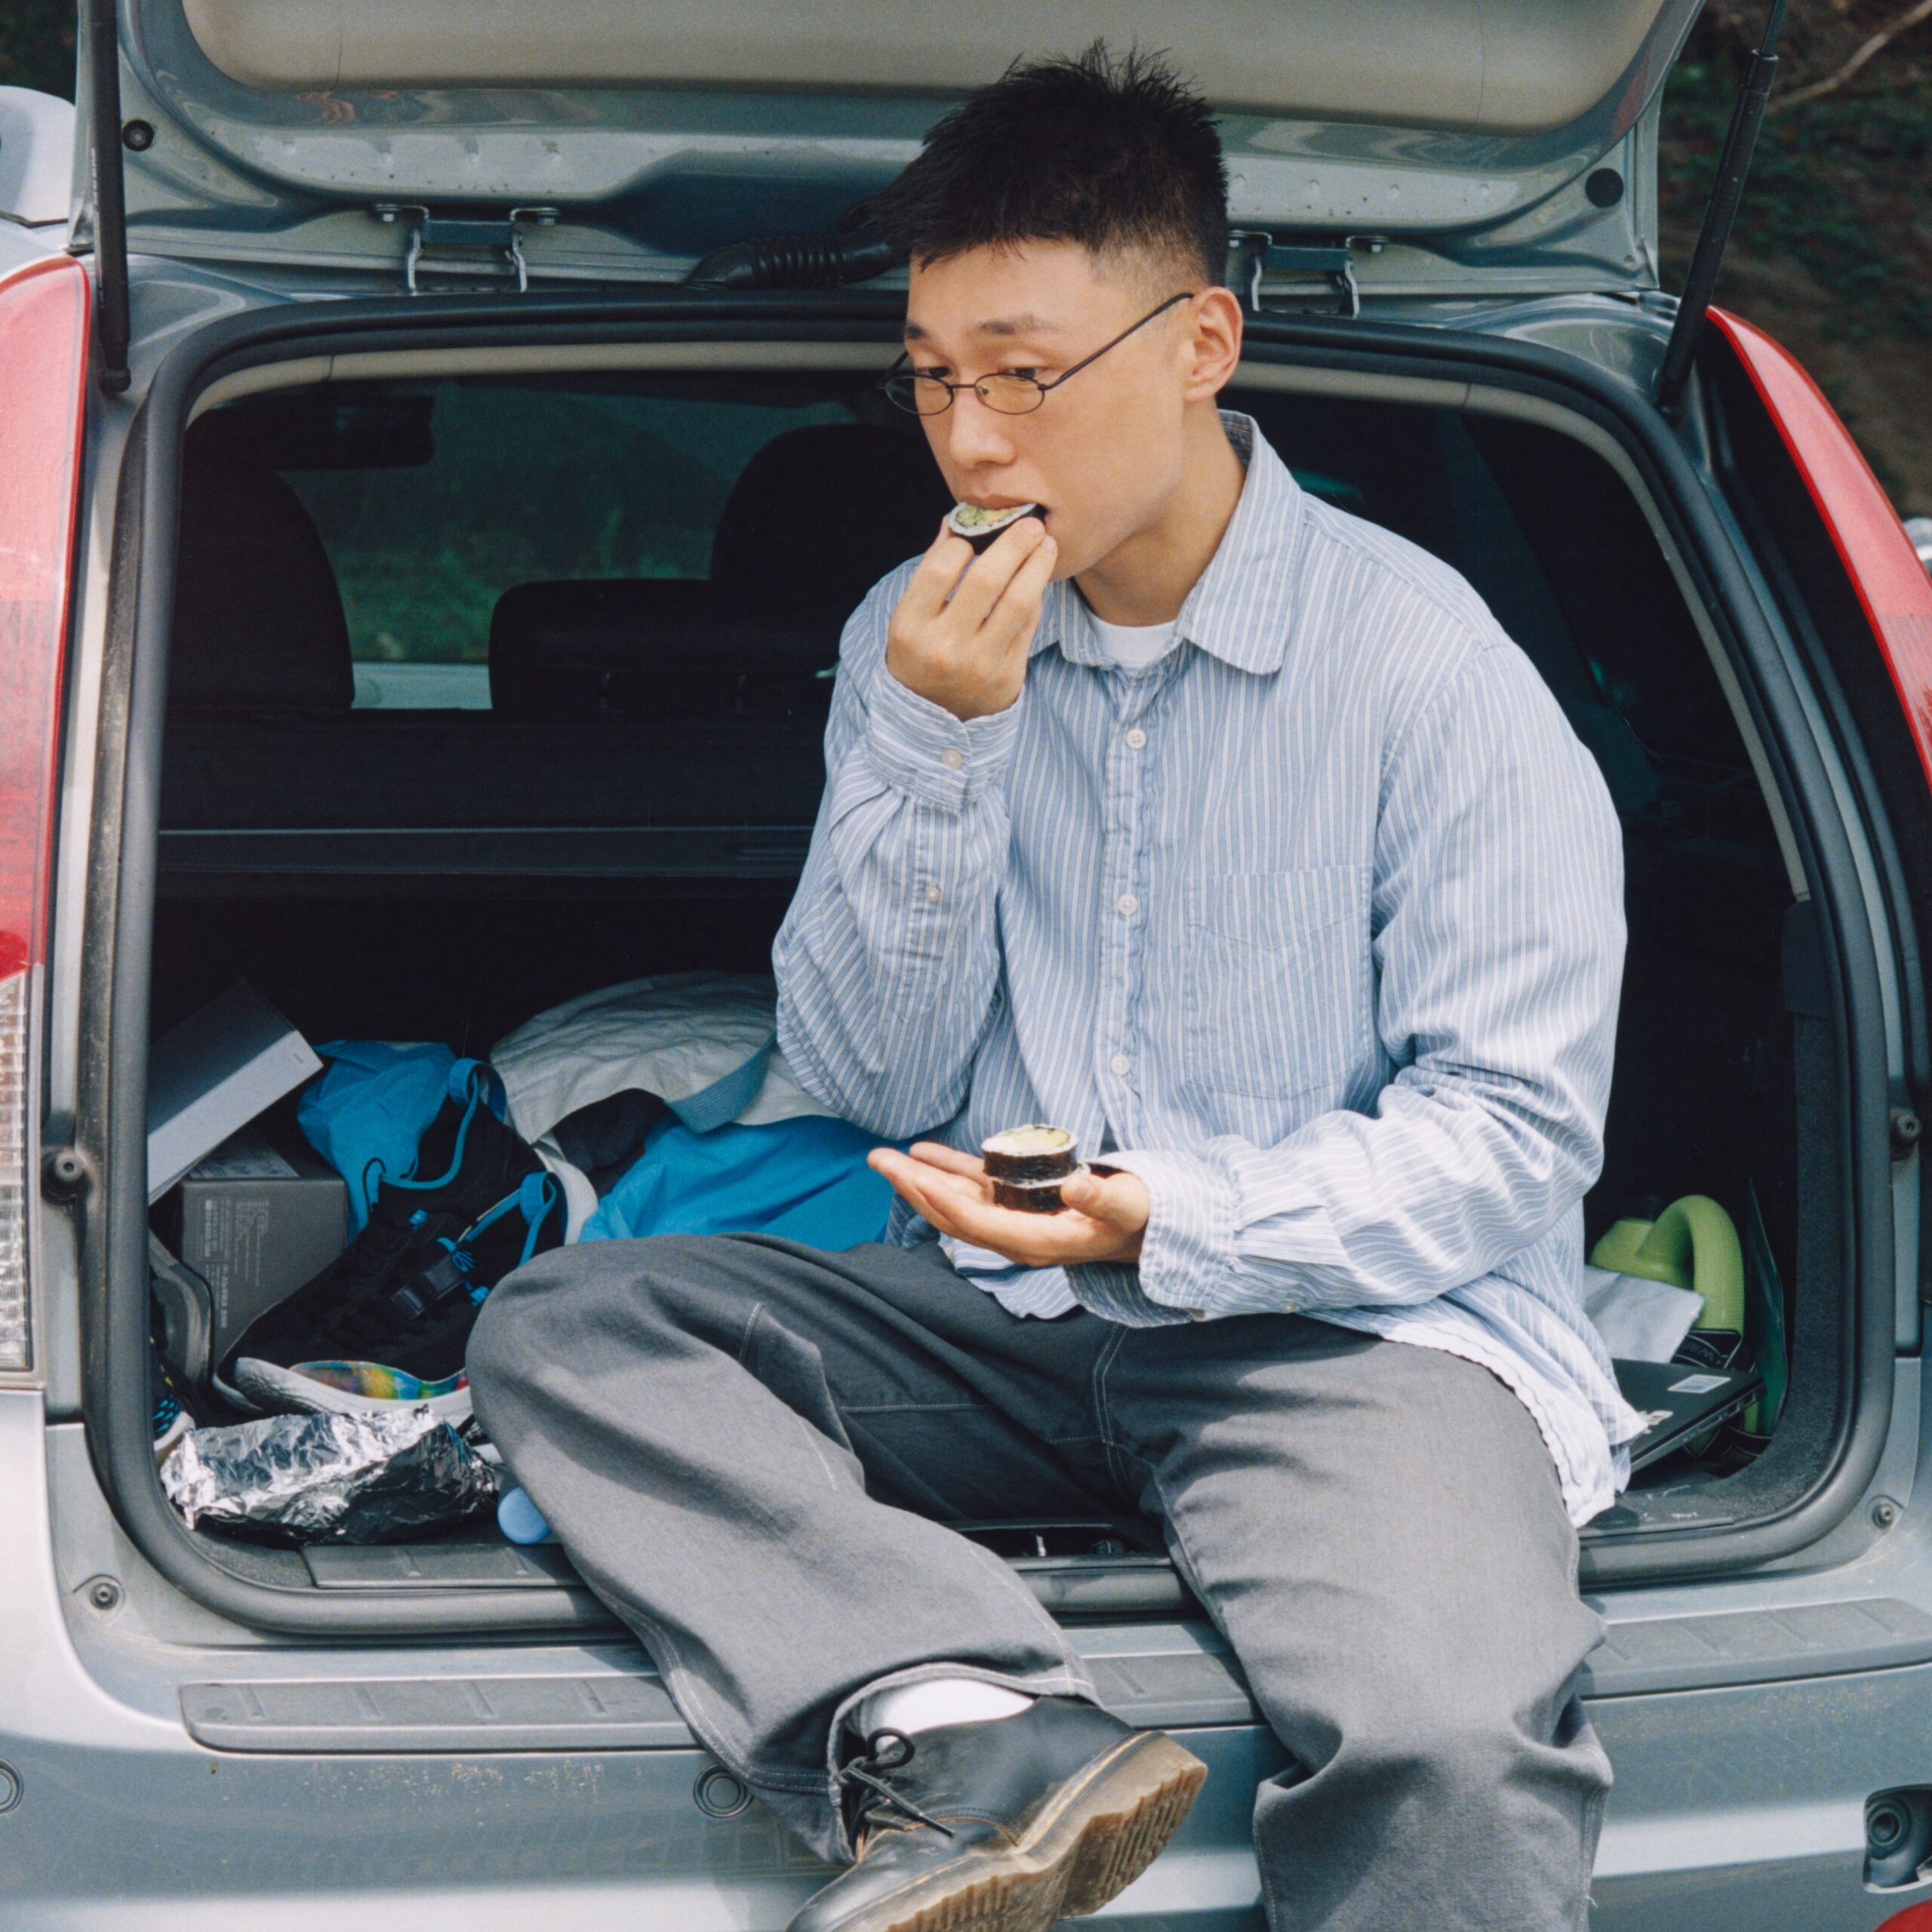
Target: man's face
<point>1102,454</point>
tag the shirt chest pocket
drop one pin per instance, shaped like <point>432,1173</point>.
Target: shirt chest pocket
<point>1279,979</point>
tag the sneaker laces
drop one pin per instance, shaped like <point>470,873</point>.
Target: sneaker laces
<point>885,1751</point>
<point>468,1082</point>
<point>358,1281</point>
<point>444,1286</point>
<point>393,1312</point>
<point>536,1197</point>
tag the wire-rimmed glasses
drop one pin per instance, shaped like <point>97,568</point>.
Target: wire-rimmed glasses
<point>1007,391</point>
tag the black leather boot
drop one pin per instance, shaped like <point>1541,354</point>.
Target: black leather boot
<point>1003,1826</point>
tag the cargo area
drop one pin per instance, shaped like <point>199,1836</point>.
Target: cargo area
<point>488,690</point>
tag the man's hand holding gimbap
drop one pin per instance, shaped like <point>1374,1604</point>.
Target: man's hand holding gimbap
<point>1104,1218</point>
<point>960,635</point>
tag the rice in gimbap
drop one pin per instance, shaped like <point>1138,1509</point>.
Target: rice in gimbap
<point>979,526</point>
<point>1034,1152</point>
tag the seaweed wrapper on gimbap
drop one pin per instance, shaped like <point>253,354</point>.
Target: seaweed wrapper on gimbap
<point>979,526</point>
<point>1033,1197</point>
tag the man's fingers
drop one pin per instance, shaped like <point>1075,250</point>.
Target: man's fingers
<point>906,1173</point>
<point>991,571</point>
<point>1118,1201</point>
<point>936,1154</point>
<point>942,1198</point>
<point>1018,610</point>
<point>1102,1217</point>
<point>1092,1197</point>
<point>957,1204</point>
<point>924,598</point>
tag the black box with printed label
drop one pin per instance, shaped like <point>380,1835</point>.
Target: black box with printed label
<point>256,1220</point>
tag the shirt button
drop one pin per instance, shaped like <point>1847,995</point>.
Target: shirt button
<point>1121,1064</point>
<point>1197,1314</point>
<point>1127,905</point>
<point>1136,739</point>
<point>933,895</point>
<point>952,757</point>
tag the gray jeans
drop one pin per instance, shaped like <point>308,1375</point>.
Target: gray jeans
<point>750,1449</point>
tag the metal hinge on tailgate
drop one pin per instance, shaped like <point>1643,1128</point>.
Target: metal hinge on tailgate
<point>1254,256</point>
<point>499,234</point>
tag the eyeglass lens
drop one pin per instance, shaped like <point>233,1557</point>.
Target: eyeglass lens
<point>929,395</point>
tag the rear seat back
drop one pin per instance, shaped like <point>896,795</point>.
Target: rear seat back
<point>258,615</point>
<point>820,515</point>
<point>644,647</point>
<point>591,680</point>
<point>816,519</point>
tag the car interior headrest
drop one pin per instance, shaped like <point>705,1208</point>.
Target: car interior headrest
<point>258,617</point>
<point>651,648</point>
<point>820,514</point>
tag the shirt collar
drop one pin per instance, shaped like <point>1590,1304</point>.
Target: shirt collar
<point>1240,606</point>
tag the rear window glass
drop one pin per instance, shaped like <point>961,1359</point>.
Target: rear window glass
<point>511,484</point>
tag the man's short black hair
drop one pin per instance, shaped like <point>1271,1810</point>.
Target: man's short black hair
<point>1114,153</point>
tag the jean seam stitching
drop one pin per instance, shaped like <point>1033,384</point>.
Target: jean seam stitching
<point>1183,1561</point>
<point>1101,1368</point>
<point>745,1340</point>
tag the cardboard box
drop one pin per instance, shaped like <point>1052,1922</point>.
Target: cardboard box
<point>256,1220</point>
<point>209,1077</point>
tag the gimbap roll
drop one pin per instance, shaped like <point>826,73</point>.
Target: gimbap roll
<point>1031,1153</point>
<point>1035,1197</point>
<point>980,526</point>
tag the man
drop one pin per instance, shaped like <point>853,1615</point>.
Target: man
<point>1230,833</point>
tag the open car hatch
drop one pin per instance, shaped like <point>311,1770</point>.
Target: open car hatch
<point>1452,147</point>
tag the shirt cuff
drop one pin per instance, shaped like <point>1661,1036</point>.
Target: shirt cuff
<point>919,747</point>
<point>1187,1248</point>
<point>1204,1252</point>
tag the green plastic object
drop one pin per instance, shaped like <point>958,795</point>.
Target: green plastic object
<point>1692,1244</point>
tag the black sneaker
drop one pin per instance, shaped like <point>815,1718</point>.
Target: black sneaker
<point>469,1163</point>
<point>1005,1826</point>
<point>403,1345</point>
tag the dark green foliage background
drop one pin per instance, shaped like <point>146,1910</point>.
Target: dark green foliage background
<point>37,45</point>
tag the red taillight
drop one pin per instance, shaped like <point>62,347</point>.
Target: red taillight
<point>43,371</point>
<point>1913,1918</point>
<point>1891,582</point>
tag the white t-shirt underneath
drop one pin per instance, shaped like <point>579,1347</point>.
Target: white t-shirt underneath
<point>1134,647</point>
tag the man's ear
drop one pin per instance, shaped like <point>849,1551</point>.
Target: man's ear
<point>1217,344</point>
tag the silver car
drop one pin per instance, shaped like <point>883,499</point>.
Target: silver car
<point>401,406</point>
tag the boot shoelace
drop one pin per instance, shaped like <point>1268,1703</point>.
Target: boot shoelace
<point>469,1083</point>
<point>885,1751</point>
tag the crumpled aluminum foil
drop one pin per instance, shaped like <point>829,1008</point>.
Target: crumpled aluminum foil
<point>385,1477</point>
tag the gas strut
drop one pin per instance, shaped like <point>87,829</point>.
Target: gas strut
<point>1746,117</point>
<point>110,198</point>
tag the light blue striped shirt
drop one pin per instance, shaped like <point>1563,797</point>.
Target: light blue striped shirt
<point>1315,924</point>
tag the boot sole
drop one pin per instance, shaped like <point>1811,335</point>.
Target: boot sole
<point>1103,1829</point>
